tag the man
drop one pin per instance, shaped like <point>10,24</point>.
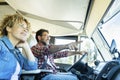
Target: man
<point>47,53</point>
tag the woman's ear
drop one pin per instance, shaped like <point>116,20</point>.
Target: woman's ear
<point>8,29</point>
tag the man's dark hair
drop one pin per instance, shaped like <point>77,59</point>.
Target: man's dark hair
<point>39,33</point>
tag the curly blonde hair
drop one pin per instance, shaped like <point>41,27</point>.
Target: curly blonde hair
<point>10,20</point>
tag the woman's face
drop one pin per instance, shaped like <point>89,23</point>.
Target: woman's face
<point>19,31</point>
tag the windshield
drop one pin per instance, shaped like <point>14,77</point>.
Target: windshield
<point>111,30</point>
<point>114,9</point>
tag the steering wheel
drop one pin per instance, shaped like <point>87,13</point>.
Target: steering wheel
<point>79,65</point>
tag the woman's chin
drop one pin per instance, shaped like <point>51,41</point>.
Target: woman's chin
<point>23,39</point>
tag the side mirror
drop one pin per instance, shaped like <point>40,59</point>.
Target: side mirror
<point>113,47</point>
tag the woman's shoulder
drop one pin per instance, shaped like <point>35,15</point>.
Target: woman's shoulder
<point>1,43</point>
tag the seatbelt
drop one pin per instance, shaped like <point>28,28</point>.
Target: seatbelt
<point>45,62</point>
<point>50,64</point>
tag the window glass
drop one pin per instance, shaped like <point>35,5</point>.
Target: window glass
<point>101,46</point>
<point>66,60</point>
<point>111,30</point>
<point>92,56</point>
<point>114,9</point>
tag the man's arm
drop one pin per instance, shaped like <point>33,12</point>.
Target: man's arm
<point>56,48</point>
<point>61,54</point>
<point>71,46</point>
<point>70,53</point>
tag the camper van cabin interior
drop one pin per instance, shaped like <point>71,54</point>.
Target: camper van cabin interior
<point>95,22</point>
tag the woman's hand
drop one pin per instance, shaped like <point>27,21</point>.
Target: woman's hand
<point>26,49</point>
<point>22,44</point>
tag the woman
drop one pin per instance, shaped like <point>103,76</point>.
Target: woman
<point>15,31</point>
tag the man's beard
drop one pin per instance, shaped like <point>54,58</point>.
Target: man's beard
<point>44,43</point>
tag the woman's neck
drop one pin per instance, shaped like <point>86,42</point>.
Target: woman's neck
<point>13,40</point>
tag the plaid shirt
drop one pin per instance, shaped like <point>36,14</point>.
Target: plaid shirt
<point>40,51</point>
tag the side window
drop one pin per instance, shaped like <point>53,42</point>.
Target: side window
<point>89,46</point>
<point>65,60</point>
<point>86,45</point>
<point>111,30</point>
